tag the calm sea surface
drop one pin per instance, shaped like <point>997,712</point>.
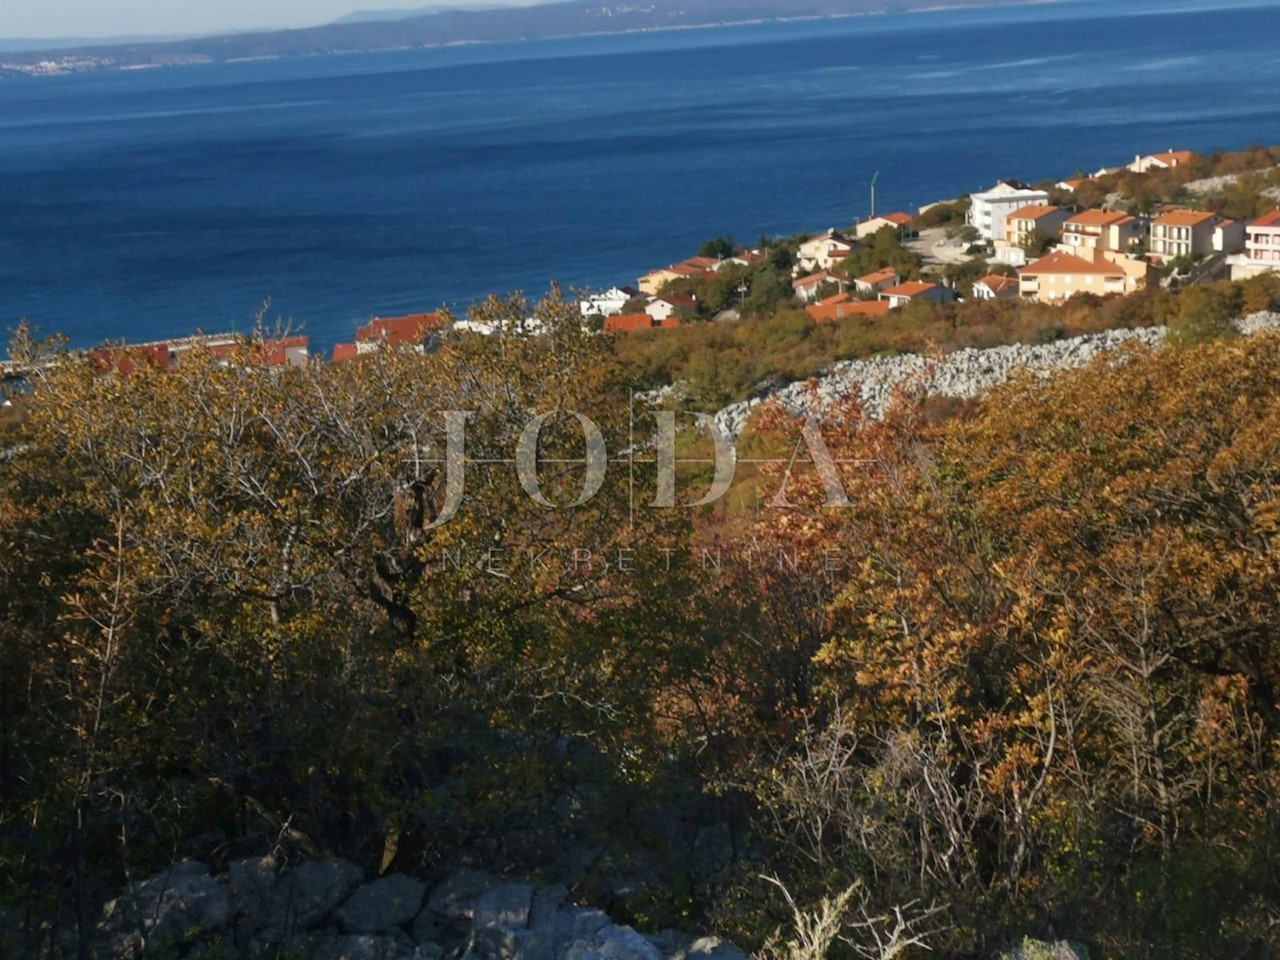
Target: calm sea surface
<point>148,204</point>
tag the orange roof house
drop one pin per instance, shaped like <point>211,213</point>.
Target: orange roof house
<point>898,220</point>
<point>696,268</point>
<point>631,322</point>
<point>222,348</point>
<point>824,251</point>
<point>1061,275</point>
<point>877,280</point>
<point>1161,161</point>
<point>842,307</point>
<point>1106,230</point>
<point>806,288</point>
<point>126,361</point>
<point>278,352</point>
<point>1193,233</point>
<point>914,290</point>
<point>342,352</point>
<point>1184,218</point>
<point>1074,184</point>
<point>995,287</point>
<point>1022,223</point>
<point>396,331</point>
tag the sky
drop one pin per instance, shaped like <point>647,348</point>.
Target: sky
<point>108,18</point>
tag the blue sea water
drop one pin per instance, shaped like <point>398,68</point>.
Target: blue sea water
<point>143,205</point>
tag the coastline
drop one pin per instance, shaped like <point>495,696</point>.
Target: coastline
<point>71,64</point>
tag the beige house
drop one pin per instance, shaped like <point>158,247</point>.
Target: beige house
<point>807,288</point>
<point>1022,223</point>
<point>899,221</point>
<point>875,282</point>
<point>1101,231</point>
<point>1161,161</point>
<point>824,252</point>
<point>914,290</point>
<point>695,267</point>
<point>1061,275</point>
<point>1193,233</point>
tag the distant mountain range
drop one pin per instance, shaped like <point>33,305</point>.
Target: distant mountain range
<point>369,32</point>
<point>22,44</point>
<point>370,16</point>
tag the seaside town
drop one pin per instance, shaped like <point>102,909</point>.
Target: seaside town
<point>1047,243</point>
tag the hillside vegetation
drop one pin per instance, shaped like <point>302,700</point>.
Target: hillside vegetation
<point>1025,682</point>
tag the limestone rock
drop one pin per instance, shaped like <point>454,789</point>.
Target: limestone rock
<point>456,897</point>
<point>624,943</point>
<point>169,907</point>
<point>382,905</point>
<point>425,930</point>
<point>587,923</point>
<point>250,883</point>
<point>362,947</point>
<point>546,906</point>
<point>505,906</point>
<point>305,896</point>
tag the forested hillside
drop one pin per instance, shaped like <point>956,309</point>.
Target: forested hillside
<point>1024,682</point>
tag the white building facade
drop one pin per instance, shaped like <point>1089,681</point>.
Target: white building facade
<point>990,209</point>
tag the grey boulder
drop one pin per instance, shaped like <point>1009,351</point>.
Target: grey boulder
<point>507,906</point>
<point>172,906</point>
<point>383,905</point>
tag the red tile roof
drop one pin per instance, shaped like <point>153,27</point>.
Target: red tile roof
<point>813,280</point>
<point>841,308</point>
<point>343,352</point>
<point>126,360</point>
<point>1036,211</point>
<point>1060,263</point>
<point>1184,218</point>
<point>1271,219</point>
<point>910,289</point>
<point>1174,157</point>
<point>996,283</point>
<point>879,276</point>
<point>627,322</point>
<point>271,353</point>
<point>1097,218</point>
<point>411,329</point>
<point>688,270</point>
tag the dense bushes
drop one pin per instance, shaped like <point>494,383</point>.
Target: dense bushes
<point>229,623</point>
<point>1025,681</point>
<point>1045,689</point>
